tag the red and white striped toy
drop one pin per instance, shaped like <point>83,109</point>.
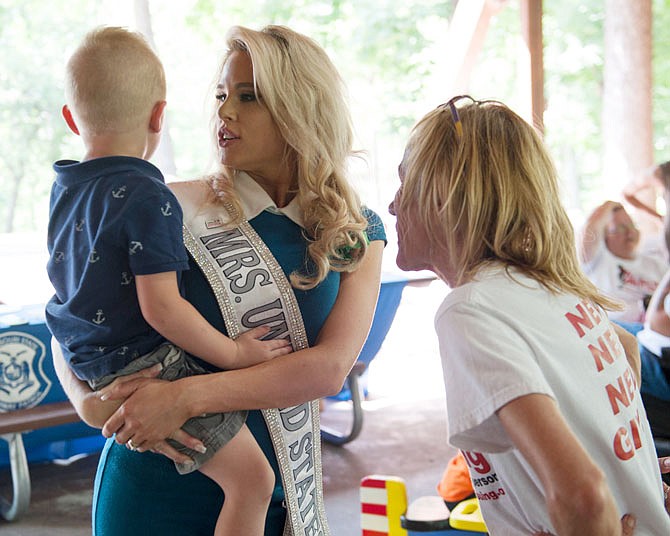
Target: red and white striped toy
<point>383,501</point>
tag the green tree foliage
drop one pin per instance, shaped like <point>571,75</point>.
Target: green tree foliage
<point>378,43</point>
<point>661,74</point>
<point>387,51</point>
<point>573,64</point>
<point>31,130</point>
<point>36,38</point>
<point>574,56</point>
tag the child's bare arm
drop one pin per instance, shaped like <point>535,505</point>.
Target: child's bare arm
<point>650,179</point>
<point>178,321</point>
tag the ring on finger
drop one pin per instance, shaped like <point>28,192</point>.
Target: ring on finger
<point>131,445</point>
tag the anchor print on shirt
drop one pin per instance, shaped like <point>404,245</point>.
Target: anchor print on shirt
<point>58,257</point>
<point>167,209</point>
<point>93,256</point>
<point>135,246</point>
<point>119,193</point>
<point>99,317</point>
<point>126,279</point>
<point>79,225</point>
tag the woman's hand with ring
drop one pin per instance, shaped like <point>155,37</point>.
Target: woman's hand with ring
<point>144,416</point>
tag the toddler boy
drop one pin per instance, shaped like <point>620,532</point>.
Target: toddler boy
<point>116,252</point>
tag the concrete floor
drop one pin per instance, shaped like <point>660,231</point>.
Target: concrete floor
<point>404,434</point>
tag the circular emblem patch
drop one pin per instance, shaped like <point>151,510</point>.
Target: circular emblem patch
<point>23,383</point>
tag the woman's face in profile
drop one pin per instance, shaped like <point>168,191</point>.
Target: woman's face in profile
<point>248,137</point>
<point>414,244</point>
<point>622,236</point>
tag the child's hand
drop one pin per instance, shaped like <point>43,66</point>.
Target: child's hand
<point>252,350</point>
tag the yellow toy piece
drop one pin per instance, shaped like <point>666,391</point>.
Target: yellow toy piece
<point>384,510</point>
<point>466,515</point>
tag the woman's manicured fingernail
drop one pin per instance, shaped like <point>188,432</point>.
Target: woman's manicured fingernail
<point>200,448</point>
<point>104,396</point>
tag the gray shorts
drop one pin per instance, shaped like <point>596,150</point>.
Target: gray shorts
<point>213,429</point>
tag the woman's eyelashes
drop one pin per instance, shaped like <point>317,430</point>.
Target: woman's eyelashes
<point>244,97</point>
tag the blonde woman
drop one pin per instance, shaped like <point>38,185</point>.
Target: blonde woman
<point>540,395</point>
<point>278,238</point>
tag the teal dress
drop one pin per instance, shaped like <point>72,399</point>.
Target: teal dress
<point>141,494</point>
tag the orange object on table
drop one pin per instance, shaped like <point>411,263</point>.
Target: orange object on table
<point>455,484</point>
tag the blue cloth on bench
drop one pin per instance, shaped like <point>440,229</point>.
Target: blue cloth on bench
<point>28,378</point>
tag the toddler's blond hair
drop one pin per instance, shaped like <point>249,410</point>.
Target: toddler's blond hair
<point>113,80</point>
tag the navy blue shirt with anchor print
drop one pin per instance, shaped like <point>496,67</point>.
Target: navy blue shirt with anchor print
<point>110,219</point>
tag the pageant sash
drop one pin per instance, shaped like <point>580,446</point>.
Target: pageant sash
<point>252,290</point>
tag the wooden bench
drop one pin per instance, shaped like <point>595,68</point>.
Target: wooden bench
<point>12,425</point>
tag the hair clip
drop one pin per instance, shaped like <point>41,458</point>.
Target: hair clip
<point>456,118</point>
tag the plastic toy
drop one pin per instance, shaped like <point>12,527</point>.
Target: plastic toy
<point>385,512</point>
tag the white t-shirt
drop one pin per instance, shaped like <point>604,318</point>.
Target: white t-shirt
<point>501,339</point>
<point>629,281</point>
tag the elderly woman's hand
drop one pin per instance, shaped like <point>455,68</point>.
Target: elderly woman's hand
<point>664,464</point>
<point>627,527</point>
<point>628,521</point>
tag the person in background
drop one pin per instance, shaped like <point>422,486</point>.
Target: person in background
<point>277,237</point>
<point>610,258</point>
<point>541,397</point>
<point>654,341</point>
<point>644,193</point>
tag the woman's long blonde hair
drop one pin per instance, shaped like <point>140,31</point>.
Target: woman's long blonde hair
<point>304,94</point>
<point>487,190</point>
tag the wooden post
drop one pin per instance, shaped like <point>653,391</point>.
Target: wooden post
<point>627,93</point>
<point>465,39</point>
<point>531,23</point>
